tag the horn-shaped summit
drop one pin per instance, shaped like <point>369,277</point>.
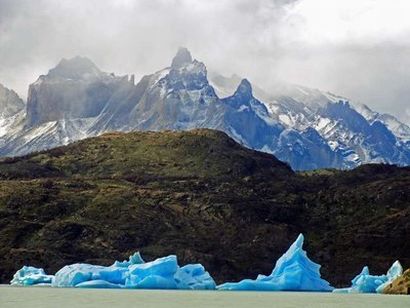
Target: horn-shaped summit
<point>182,57</point>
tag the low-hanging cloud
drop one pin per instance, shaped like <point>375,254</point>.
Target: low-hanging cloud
<point>357,49</point>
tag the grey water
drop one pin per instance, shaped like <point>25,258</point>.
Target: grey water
<point>34,297</point>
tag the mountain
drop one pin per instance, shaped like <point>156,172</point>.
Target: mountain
<point>10,106</point>
<point>306,128</point>
<point>354,132</point>
<point>202,196</point>
<point>75,88</point>
<point>10,102</point>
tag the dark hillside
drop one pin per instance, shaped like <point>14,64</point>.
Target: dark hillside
<point>199,195</point>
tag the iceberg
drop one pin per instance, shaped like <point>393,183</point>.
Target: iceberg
<point>158,274</point>
<point>394,271</point>
<point>194,277</point>
<point>72,275</point>
<point>165,273</point>
<point>294,271</point>
<point>366,283</point>
<point>29,275</point>
<point>133,259</point>
<point>134,273</point>
<point>165,267</point>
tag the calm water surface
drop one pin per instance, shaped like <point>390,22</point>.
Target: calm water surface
<point>34,297</point>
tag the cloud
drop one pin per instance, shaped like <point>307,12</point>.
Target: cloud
<point>354,48</point>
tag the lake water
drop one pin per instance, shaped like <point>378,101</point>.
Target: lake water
<point>34,297</point>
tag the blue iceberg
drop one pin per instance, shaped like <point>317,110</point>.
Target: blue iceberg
<point>366,283</point>
<point>134,273</point>
<point>194,277</point>
<point>158,274</point>
<point>294,271</point>
<point>29,276</point>
<point>165,273</point>
<point>133,259</point>
<point>75,274</point>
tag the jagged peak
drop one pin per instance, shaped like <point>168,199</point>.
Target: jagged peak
<point>10,102</point>
<point>75,67</point>
<point>5,89</point>
<point>182,58</point>
<point>244,89</point>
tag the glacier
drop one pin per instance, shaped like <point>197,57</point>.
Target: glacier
<point>366,283</point>
<point>294,271</point>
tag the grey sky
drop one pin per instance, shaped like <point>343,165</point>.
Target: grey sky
<point>359,49</point>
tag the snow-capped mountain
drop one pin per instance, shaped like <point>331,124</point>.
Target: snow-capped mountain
<point>352,130</point>
<point>307,128</point>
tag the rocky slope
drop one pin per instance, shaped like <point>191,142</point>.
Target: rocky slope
<point>202,196</point>
<point>401,285</point>
<point>306,128</point>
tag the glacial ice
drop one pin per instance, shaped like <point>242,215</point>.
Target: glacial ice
<point>162,273</point>
<point>28,276</point>
<point>133,259</point>
<point>72,275</point>
<point>366,283</point>
<point>194,277</point>
<point>294,271</point>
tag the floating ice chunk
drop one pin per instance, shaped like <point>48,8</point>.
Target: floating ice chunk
<point>363,283</point>
<point>134,259</point>
<point>194,277</point>
<point>366,283</point>
<point>72,275</point>
<point>166,266</point>
<point>158,274</point>
<point>294,271</point>
<point>394,271</point>
<point>162,273</point>
<point>28,275</point>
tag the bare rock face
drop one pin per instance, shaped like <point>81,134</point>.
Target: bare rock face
<point>10,102</point>
<point>182,57</point>
<point>75,88</point>
<point>401,285</point>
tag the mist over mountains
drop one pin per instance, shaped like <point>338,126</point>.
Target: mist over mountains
<point>304,127</point>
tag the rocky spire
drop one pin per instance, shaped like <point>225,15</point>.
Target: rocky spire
<point>182,57</point>
<point>244,89</point>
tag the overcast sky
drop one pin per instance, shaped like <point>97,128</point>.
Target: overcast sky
<point>355,48</point>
